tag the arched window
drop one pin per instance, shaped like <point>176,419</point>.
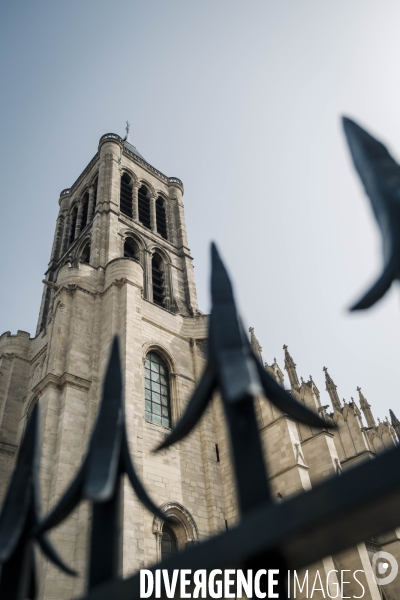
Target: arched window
<point>168,542</point>
<point>73,224</point>
<point>85,204</point>
<point>161,218</point>
<point>85,255</point>
<point>125,202</point>
<point>131,249</point>
<point>156,390</point>
<point>144,207</point>
<point>158,279</point>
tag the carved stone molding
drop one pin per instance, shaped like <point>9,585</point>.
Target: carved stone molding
<point>8,449</point>
<point>174,509</point>
<point>59,382</point>
<point>39,354</point>
<point>12,355</point>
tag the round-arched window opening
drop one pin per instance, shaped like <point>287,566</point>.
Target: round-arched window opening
<point>161,218</point>
<point>85,205</point>
<point>144,207</point>
<point>85,255</point>
<point>131,249</point>
<point>126,200</point>
<point>158,280</point>
<point>168,542</point>
<point>156,390</point>
<point>74,217</point>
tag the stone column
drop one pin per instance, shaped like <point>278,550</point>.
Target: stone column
<point>78,226</point>
<point>135,202</point>
<point>158,535</point>
<point>66,234</point>
<point>148,284</point>
<point>56,250</point>
<point>153,221</point>
<point>175,193</point>
<point>91,204</point>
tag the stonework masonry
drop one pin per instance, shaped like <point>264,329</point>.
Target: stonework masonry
<point>116,273</point>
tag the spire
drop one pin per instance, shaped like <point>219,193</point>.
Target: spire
<point>126,138</point>
<point>395,423</point>
<point>290,368</point>
<point>366,408</point>
<point>332,391</point>
<point>255,344</point>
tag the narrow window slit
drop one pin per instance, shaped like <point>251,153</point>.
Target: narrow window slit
<point>217,452</point>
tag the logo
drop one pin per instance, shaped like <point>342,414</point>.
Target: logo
<point>384,567</point>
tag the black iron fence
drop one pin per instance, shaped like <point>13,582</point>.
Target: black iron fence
<point>289,535</point>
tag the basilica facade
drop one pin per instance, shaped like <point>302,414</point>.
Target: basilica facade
<point>120,264</point>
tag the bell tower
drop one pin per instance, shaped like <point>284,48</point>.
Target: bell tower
<point>121,206</point>
<point>119,265</point>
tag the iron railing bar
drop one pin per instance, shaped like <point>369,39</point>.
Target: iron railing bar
<point>336,515</point>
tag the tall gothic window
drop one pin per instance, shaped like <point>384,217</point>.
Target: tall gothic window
<point>126,201</point>
<point>158,280</point>
<point>74,216</point>
<point>156,390</point>
<point>131,249</point>
<point>144,207</point>
<point>85,204</point>
<point>168,542</point>
<point>161,218</point>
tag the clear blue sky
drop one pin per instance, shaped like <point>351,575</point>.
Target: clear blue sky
<point>241,100</point>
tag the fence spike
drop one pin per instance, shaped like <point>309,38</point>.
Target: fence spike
<point>99,478</point>
<point>233,368</point>
<point>194,411</point>
<point>380,175</point>
<point>232,365</point>
<point>19,518</point>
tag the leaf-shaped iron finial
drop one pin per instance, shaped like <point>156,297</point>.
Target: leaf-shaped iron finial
<point>380,174</point>
<point>99,478</point>
<point>234,369</point>
<point>19,519</point>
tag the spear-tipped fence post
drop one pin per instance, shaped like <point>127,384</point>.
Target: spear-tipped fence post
<point>234,369</point>
<point>99,479</point>
<point>19,520</point>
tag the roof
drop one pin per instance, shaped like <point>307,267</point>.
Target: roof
<point>129,146</point>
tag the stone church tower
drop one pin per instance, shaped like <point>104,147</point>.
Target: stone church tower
<point>120,264</point>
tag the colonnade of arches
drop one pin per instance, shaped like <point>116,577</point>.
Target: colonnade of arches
<point>136,202</point>
<point>69,227</point>
<point>140,204</point>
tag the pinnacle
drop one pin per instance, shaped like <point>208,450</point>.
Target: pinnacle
<point>288,357</point>
<point>328,378</point>
<point>255,343</point>
<point>393,418</point>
